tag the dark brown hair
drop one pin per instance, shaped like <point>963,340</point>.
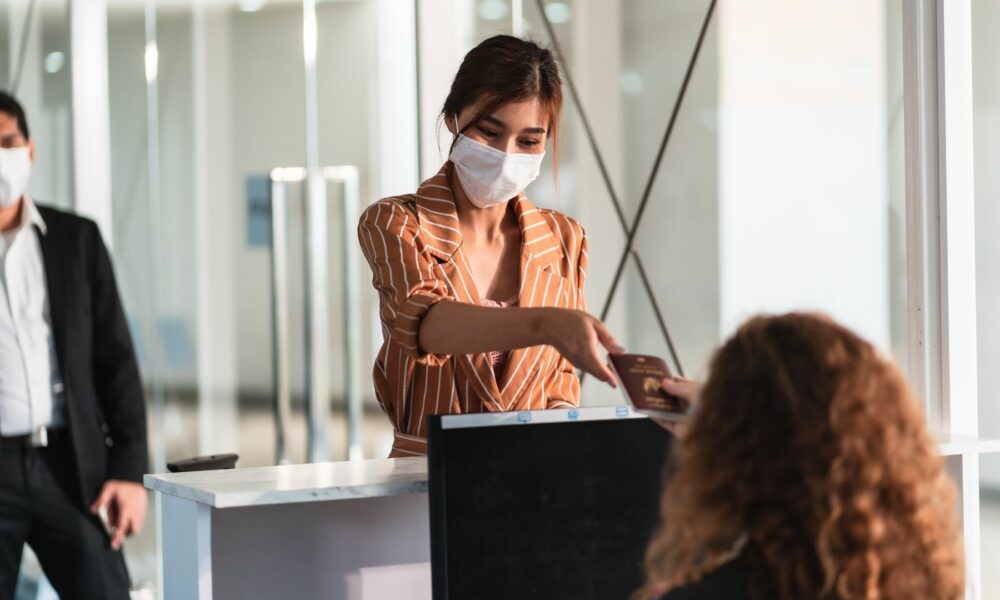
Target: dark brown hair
<point>808,448</point>
<point>504,69</point>
<point>10,105</point>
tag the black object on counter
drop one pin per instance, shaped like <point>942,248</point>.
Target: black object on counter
<point>204,463</point>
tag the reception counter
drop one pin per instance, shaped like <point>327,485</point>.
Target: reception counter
<point>354,530</point>
<point>543,501</point>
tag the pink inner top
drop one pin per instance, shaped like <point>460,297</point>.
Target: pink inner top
<point>498,358</point>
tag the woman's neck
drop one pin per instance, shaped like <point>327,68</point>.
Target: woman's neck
<point>483,224</point>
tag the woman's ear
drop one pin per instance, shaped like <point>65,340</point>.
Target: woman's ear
<point>449,122</point>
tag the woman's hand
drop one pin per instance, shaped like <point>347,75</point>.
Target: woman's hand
<point>579,337</point>
<point>685,389</point>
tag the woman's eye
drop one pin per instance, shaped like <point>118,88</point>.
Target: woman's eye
<point>529,143</point>
<point>487,132</point>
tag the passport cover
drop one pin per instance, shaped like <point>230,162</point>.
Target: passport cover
<point>640,378</point>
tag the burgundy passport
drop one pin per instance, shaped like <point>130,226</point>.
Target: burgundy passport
<point>640,378</point>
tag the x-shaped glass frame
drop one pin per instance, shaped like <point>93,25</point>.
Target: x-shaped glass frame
<point>631,230</point>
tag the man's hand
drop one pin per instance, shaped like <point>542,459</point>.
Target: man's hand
<point>125,502</point>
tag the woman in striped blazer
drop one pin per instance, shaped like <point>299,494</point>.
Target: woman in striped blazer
<point>480,292</point>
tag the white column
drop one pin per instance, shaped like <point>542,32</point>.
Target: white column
<point>396,153</point>
<point>940,211</point>
<point>216,231</point>
<point>91,113</point>
<point>957,204</point>
<point>941,267</point>
<point>444,35</point>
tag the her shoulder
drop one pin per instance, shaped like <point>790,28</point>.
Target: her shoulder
<point>394,214</point>
<point>567,228</point>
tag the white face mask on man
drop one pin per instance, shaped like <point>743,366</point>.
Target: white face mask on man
<point>490,176</point>
<point>15,171</point>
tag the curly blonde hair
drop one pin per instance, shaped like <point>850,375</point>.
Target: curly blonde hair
<point>808,447</point>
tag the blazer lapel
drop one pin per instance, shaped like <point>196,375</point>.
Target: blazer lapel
<point>55,279</point>
<point>540,286</point>
<point>443,238</point>
<point>476,367</point>
<point>437,215</point>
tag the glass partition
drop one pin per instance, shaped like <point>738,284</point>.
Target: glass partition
<point>35,67</point>
<point>788,135</point>
<point>207,98</point>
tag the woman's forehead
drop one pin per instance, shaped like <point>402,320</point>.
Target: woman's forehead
<point>520,114</point>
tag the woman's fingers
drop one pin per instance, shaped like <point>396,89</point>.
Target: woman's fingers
<point>682,388</point>
<point>579,337</point>
<point>602,372</point>
<point>607,340</point>
<point>603,338</point>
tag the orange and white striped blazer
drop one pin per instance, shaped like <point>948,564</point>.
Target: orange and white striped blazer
<point>414,247</point>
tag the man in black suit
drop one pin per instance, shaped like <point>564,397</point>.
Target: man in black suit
<point>72,414</point>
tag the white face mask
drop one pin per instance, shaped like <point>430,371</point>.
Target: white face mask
<point>15,171</point>
<point>490,176</point>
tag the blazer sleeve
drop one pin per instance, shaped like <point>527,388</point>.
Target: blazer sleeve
<point>116,372</point>
<point>564,385</point>
<point>403,276</point>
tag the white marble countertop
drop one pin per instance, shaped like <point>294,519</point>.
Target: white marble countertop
<point>317,482</point>
<point>952,444</point>
<point>287,484</point>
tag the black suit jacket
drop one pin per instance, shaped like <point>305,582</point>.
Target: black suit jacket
<point>104,396</point>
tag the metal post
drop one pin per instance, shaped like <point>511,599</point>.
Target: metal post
<point>317,306</point>
<point>351,341</point>
<point>317,310</point>
<point>279,314</point>
<point>153,221</point>
<point>317,328</point>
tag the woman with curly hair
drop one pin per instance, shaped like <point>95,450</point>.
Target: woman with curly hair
<point>805,472</point>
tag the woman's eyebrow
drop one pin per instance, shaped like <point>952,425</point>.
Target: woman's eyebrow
<point>495,121</point>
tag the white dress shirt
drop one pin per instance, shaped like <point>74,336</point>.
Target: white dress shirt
<point>31,389</point>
